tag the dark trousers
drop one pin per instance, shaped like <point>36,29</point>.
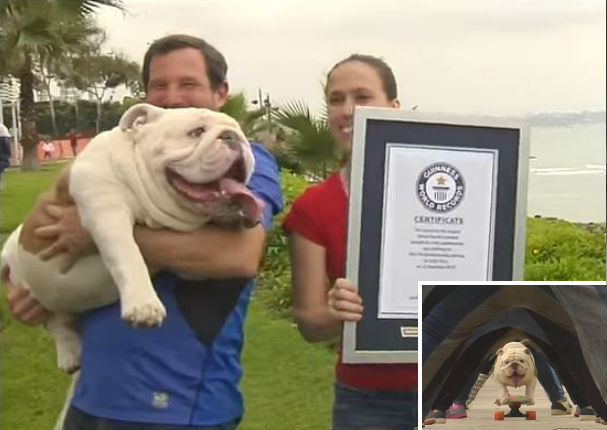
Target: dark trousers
<point>76,419</point>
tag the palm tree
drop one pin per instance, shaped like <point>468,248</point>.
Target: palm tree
<point>32,30</point>
<point>74,35</point>
<point>250,120</point>
<point>310,147</point>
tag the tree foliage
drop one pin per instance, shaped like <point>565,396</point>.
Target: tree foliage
<point>251,121</point>
<point>95,73</point>
<point>308,145</point>
<point>32,32</point>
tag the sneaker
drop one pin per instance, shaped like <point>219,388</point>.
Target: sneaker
<point>587,414</point>
<point>457,410</point>
<point>440,417</point>
<point>577,411</point>
<point>435,416</point>
<point>429,419</point>
<point>560,407</point>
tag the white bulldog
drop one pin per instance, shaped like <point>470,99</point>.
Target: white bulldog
<point>170,168</point>
<point>515,367</point>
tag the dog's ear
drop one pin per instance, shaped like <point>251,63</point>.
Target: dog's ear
<point>525,342</point>
<point>138,115</point>
<point>499,352</point>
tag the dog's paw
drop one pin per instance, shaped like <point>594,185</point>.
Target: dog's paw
<point>530,400</point>
<point>502,400</point>
<point>144,313</point>
<point>68,356</point>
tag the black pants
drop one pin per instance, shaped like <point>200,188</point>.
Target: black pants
<point>76,419</point>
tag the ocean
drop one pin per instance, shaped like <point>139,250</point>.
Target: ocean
<point>567,172</point>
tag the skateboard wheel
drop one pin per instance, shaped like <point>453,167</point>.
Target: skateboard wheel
<point>531,415</point>
<point>498,415</point>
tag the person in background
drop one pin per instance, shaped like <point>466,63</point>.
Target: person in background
<point>73,137</point>
<point>48,148</point>
<point>5,150</point>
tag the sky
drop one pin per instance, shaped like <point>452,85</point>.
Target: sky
<point>490,57</point>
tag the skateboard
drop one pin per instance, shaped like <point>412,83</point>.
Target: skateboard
<point>515,403</point>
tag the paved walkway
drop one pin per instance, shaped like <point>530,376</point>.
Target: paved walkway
<point>480,414</point>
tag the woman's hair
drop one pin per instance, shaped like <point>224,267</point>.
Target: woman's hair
<point>383,70</point>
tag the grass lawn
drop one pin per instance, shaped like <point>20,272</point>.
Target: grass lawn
<point>287,383</point>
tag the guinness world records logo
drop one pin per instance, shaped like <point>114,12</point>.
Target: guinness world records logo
<point>440,187</point>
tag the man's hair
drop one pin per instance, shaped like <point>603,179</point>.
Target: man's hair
<point>217,67</point>
<point>383,70</point>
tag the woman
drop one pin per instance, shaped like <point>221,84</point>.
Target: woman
<point>367,396</point>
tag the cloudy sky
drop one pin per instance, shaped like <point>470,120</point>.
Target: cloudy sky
<point>495,57</point>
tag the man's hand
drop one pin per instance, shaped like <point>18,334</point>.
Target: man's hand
<point>70,236</point>
<point>21,304</point>
<point>344,302</point>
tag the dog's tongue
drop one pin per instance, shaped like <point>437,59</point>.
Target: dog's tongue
<point>199,192</point>
<point>251,205</point>
<point>516,380</point>
<point>221,190</point>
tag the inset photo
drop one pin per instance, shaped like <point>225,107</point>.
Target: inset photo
<point>513,355</point>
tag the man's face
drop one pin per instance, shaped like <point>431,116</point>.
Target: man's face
<point>179,79</point>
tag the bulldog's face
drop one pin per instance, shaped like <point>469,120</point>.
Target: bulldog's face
<point>200,157</point>
<point>515,364</point>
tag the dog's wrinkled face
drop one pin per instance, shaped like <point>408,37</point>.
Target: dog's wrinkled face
<point>200,157</point>
<point>514,361</point>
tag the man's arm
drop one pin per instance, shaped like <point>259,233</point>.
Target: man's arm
<point>211,252</point>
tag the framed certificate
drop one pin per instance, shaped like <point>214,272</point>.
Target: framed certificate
<point>432,198</point>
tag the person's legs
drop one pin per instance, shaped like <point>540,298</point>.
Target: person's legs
<point>552,385</point>
<point>3,167</point>
<point>356,409</point>
<point>470,389</point>
<point>547,377</point>
<point>440,321</point>
<point>445,315</point>
<point>458,407</point>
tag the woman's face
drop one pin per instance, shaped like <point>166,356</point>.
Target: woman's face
<point>352,84</point>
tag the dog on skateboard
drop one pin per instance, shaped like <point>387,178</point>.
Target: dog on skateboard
<point>515,367</point>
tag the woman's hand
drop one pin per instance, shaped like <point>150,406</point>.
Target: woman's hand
<point>344,302</point>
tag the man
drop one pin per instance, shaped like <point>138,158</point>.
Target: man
<point>73,137</point>
<point>184,374</point>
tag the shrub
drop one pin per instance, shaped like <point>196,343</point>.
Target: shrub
<point>562,251</point>
<point>274,281</point>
